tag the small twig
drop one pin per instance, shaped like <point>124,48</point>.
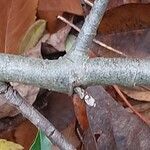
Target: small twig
<point>88,3</point>
<point>129,105</point>
<point>142,107</point>
<point>94,40</point>
<point>15,99</point>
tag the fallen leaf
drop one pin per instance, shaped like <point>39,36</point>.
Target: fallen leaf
<point>137,93</point>
<point>53,24</point>
<point>73,7</point>
<point>36,51</point>
<point>8,135</point>
<point>29,92</point>
<point>56,107</point>
<point>16,17</point>
<point>143,109</point>
<point>49,52</point>
<point>125,18</point>
<point>70,134</point>
<point>25,134</point>
<point>80,112</point>
<point>133,43</point>
<point>112,126</point>
<point>70,41</point>
<point>117,3</point>
<point>50,9</point>
<point>7,145</point>
<point>58,39</point>
<point>19,130</point>
<point>33,35</point>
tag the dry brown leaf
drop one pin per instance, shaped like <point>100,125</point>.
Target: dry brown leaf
<point>57,40</point>
<point>126,18</point>
<point>116,3</point>
<point>73,7</point>
<point>143,108</point>
<point>16,17</point>
<point>22,133</point>
<point>70,134</point>
<point>80,112</point>
<point>25,134</point>
<point>112,126</point>
<point>137,93</point>
<point>133,43</point>
<point>50,9</point>
<point>53,24</point>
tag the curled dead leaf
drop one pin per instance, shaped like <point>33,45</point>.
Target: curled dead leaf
<point>137,93</point>
<point>58,39</point>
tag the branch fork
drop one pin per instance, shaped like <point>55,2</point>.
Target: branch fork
<point>65,74</point>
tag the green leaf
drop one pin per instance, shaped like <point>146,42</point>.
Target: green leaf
<point>70,41</point>
<point>33,35</point>
<point>41,142</point>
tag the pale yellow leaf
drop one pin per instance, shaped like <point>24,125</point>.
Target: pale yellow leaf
<point>7,145</point>
<point>33,35</point>
<point>70,41</point>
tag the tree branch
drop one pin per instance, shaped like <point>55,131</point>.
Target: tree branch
<point>88,31</point>
<point>63,75</point>
<point>15,99</point>
<point>49,74</point>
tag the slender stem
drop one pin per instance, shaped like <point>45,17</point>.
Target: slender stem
<point>88,31</point>
<point>13,97</point>
<point>88,3</point>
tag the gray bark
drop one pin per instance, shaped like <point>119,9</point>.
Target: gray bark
<point>88,31</point>
<point>63,75</point>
